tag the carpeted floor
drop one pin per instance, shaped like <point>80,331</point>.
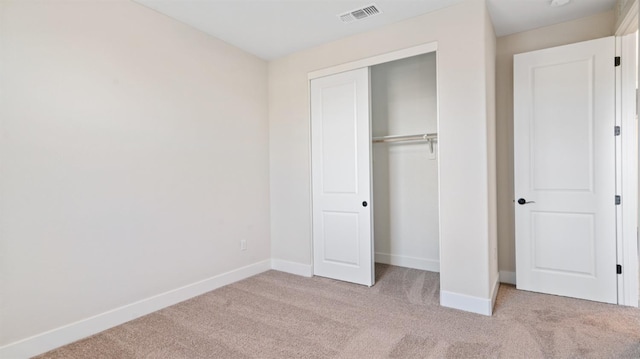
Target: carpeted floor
<point>278,315</point>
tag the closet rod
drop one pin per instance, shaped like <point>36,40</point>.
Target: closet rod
<point>421,137</point>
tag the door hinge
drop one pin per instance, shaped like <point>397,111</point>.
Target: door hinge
<point>617,61</point>
<point>617,131</point>
<point>618,200</point>
<point>618,269</point>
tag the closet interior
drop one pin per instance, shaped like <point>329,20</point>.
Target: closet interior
<point>405,162</point>
<point>374,159</point>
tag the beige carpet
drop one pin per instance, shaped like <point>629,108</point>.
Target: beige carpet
<point>278,315</point>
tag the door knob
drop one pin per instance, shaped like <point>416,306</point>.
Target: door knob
<point>524,201</point>
<point>364,203</point>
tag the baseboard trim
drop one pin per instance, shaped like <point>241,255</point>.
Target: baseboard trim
<point>409,262</point>
<point>300,269</point>
<point>55,338</point>
<point>467,303</point>
<point>508,277</point>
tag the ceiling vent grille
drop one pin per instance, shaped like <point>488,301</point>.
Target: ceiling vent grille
<point>359,14</point>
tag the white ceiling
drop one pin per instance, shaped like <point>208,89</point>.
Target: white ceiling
<point>512,16</point>
<point>274,28</point>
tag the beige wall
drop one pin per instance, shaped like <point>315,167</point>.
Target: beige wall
<point>588,28</point>
<point>134,157</point>
<point>463,58</point>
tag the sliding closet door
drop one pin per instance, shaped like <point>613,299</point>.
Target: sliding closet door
<point>341,166</point>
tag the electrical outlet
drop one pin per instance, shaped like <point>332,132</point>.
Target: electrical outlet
<point>243,244</point>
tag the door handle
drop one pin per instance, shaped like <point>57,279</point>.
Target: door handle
<point>364,203</point>
<point>522,201</point>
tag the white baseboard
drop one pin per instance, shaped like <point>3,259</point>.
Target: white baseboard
<point>508,277</point>
<point>467,303</point>
<point>300,269</point>
<point>409,262</point>
<point>52,339</point>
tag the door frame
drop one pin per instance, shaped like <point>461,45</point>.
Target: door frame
<point>627,103</point>
<point>353,65</point>
<point>375,60</point>
<point>627,171</point>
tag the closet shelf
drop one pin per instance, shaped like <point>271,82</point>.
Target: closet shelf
<point>420,137</point>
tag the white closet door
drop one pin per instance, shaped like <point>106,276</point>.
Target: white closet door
<point>564,156</point>
<point>341,167</point>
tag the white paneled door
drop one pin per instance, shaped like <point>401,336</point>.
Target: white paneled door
<point>564,161</point>
<point>341,167</point>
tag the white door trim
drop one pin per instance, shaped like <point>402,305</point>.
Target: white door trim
<point>627,171</point>
<point>376,60</point>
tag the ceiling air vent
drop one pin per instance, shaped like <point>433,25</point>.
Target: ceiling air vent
<point>359,14</point>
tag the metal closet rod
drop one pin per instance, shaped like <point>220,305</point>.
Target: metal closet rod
<point>420,137</point>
